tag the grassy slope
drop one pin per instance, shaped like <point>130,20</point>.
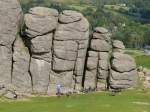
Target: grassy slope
<point>131,101</point>
<point>140,58</point>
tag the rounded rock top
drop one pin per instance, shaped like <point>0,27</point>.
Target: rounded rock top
<point>69,16</point>
<point>118,44</point>
<point>44,11</point>
<point>101,30</point>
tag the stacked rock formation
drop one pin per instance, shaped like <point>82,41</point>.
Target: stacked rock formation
<point>56,49</point>
<point>98,60</point>
<point>123,68</point>
<point>69,49</point>
<point>40,26</point>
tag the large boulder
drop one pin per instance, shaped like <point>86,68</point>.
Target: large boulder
<point>123,62</point>
<point>40,21</point>
<point>100,45</point>
<point>123,80</point>
<point>10,19</point>
<point>21,78</point>
<point>118,46</point>
<point>123,72</point>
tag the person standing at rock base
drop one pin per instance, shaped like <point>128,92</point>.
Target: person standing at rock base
<point>58,89</point>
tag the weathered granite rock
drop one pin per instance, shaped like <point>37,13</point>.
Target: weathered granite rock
<point>65,79</point>
<point>21,78</point>
<point>57,53</point>
<point>65,50</point>
<point>69,17</point>
<point>41,47</point>
<point>2,91</point>
<point>101,30</point>
<point>10,18</point>
<point>92,63</point>
<point>90,79</point>
<point>5,65</point>
<point>40,24</point>
<point>97,68</point>
<point>70,45</point>
<point>42,44</point>
<point>40,71</point>
<point>123,69</point>
<point>103,70</point>
<point>118,46</point>
<point>123,80</point>
<point>61,65</point>
<point>123,62</point>
<point>40,21</point>
<point>100,45</point>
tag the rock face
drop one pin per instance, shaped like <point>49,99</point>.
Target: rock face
<point>57,49</point>
<point>98,60</point>
<point>40,25</point>
<point>21,78</point>
<point>123,69</point>
<point>70,47</point>
<point>10,17</point>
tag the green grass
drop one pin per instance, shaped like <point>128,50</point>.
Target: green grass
<point>143,61</point>
<point>129,101</point>
<point>140,58</point>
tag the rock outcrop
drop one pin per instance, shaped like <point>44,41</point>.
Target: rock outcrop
<point>21,78</point>
<point>10,18</point>
<point>40,26</point>
<point>98,60</point>
<point>69,48</point>
<point>57,49</point>
<point>123,68</point>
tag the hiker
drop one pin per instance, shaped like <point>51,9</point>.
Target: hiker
<point>58,88</point>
